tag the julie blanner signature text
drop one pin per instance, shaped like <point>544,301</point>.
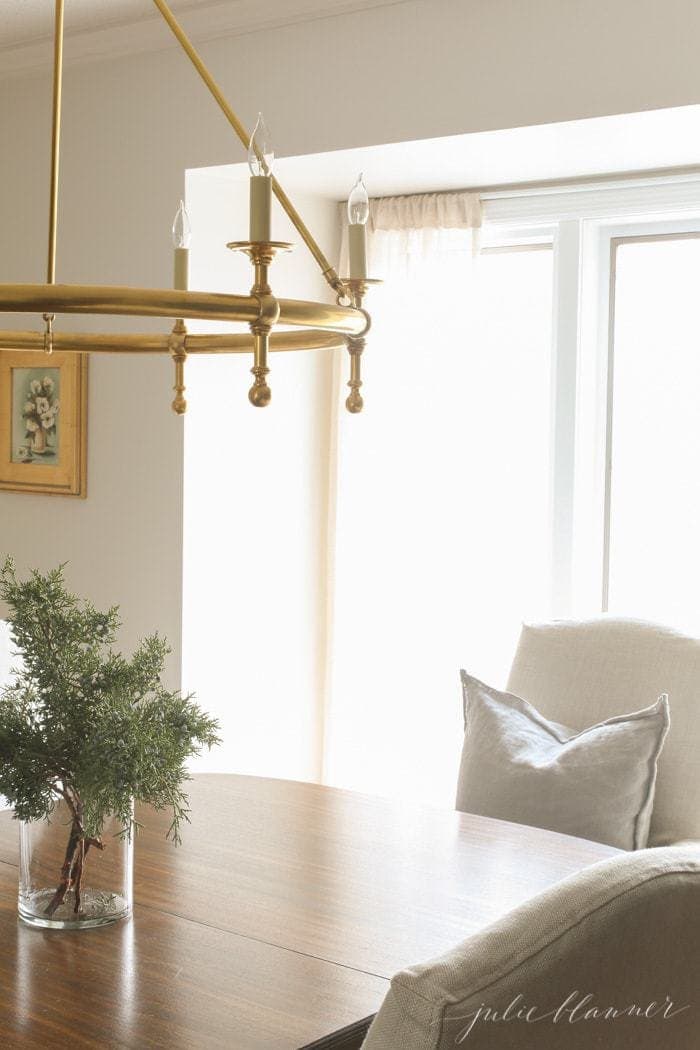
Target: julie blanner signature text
<point>577,1008</point>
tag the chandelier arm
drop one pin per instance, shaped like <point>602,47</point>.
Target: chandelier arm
<point>137,302</point>
<point>327,270</point>
<point>309,339</point>
<point>342,319</point>
<point>149,343</point>
<point>157,302</point>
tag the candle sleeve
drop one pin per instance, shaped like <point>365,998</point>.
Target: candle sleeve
<point>260,207</point>
<point>357,247</point>
<point>181,269</point>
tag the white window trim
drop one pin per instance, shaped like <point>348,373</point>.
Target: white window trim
<point>595,406</point>
<point>672,195</point>
<point>586,223</point>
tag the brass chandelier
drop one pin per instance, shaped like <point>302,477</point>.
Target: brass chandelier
<point>318,325</point>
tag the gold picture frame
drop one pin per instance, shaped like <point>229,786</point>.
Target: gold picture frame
<point>43,423</point>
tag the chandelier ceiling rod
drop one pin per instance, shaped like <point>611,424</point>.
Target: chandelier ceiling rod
<point>49,318</point>
<point>55,141</point>
<point>327,270</point>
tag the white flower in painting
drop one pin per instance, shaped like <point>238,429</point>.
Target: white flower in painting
<point>32,425</point>
<point>47,421</point>
<point>42,405</point>
<point>35,386</point>
<point>47,383</point>
<point>29,408</point>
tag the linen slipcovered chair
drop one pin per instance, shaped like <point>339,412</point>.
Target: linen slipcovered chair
<point>580,672</point>
<point>625,932</point>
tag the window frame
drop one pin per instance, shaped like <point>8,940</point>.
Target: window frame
<point>586,224</point>
<point>595,405</point>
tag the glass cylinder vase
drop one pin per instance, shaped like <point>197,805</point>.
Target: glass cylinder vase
<point>67,881</point>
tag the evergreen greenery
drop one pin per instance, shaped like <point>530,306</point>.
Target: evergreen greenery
<point>82,723</point>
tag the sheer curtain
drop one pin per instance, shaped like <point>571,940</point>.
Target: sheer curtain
<point>401,561</point>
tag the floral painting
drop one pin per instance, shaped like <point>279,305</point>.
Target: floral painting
<point>43,422</point>
<point>35,415</point>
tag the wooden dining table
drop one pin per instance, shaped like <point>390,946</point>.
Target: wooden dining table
<point>276,925</point>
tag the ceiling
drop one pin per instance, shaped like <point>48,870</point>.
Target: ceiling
<point>28,21</point>
<point>94,28</point>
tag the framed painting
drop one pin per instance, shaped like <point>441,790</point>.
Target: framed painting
<point>43,423</point>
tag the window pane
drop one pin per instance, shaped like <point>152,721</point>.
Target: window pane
<point>655,480</point>
<point>443,503</point>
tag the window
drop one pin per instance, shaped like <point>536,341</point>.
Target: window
<point>442,531</point>
<point>557,476</point>
<point>653,558</point>
<point>529,449</point>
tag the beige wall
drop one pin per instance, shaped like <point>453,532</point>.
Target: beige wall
<point>123,542</point>
<point>133,125</point>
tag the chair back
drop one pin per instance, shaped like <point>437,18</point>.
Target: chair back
<point>581,672</point>
<point>607,958</point>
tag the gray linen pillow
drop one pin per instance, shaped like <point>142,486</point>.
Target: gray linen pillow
<point>597,784</point>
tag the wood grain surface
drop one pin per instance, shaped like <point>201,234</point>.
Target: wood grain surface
<point>276,924</point>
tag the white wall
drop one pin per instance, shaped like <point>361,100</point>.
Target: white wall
<point>425,68</point>
<point>133,125</point>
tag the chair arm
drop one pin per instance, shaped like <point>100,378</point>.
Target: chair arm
<point>624,931</point>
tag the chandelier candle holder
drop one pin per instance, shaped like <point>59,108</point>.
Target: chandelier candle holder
<point>182,235</point>
<point>261,254</point>
<point>357,289</point>
<point>315,325</point>
<point>357,284</point>
<point>260,159</point>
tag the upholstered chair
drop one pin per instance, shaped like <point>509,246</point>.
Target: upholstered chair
<point>622,935</point>
<point>581,672</point>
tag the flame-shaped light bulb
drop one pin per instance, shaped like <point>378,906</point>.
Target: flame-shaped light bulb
<point>261,155</point>
<point>358,204</point>
<point>182,231</point>
<point>358,214</point>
